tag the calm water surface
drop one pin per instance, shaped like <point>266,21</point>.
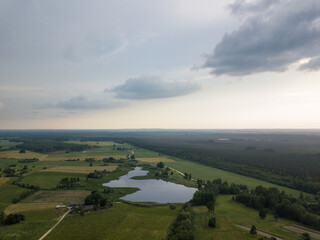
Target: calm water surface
<point>152,190</point>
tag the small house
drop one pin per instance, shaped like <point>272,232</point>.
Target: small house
<point>88,207</point>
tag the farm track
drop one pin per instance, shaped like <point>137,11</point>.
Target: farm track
<point>63,216</point>
<point>259,232</point>
<point>299,229</point>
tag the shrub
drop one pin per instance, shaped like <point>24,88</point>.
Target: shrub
<point>212,222</point>
<point>14,218</point>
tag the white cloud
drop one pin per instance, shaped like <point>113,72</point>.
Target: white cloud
<point>150,87</point>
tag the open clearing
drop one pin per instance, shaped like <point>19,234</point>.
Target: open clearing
<point>56,196</point>
<point>156,159</point>
<point>25,207</point>
<point>15,154</point>
<point>204,172</point>
<point>229,214</point>
<point>3,180</point>
<point>299,229</point>
<point>123,221</point>
<point>80,169</point>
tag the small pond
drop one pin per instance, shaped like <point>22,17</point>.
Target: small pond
<point>152,190</point>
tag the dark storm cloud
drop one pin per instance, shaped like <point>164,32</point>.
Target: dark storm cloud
<point>273,36</point>
<point>152,88</point>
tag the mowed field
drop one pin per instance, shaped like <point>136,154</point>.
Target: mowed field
<point>203,172</point>
<point>80,169</point>
<point>229,214</point>
<point>25,207</point>
<point>122,222</point>
<point>155,159</point>
<point>27,155</point>
<point>49,180</point>
<point>62,197</point>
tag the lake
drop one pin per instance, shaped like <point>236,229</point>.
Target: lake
<point>152,190</point>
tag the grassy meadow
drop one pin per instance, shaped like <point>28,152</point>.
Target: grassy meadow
<point>203,172</point>
<point>229,214</point>
<point>36,224</point>
<point>123,221</point>
<point>62,197</point>
<point>49,180</point>
<point>80,169</point>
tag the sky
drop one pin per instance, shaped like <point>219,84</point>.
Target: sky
<point>188,64</point>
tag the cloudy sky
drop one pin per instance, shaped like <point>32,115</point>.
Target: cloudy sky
<point>159,64</point>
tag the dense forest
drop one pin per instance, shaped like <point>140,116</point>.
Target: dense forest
<point>288,158</point>
<point>281,205</point>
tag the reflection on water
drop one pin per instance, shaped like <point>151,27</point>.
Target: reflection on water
<point>152,190</point>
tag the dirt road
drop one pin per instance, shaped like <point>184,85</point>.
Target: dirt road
<point>259,232</point>
<point>44,235</point>
<point>300,229</point>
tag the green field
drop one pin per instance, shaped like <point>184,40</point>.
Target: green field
<point>123,221</point>
<point>36,224</point>
<point>7,193</point>
<point>48,180</point>
<point>203,172</point>
<point>228,214</point>
<point>63,197</point>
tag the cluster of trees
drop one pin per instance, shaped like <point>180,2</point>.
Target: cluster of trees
<point>24,195</point>
<point>98,199</point>
<point>279,204</point>
<point>90,160</point>
<point>72,160</point>
<point>10,172</point>
<point>187,176</point>
<point>162,171</point>
<point>26,185</point>
<point>96,174</point>
<point>45,146</point>
<point>112,160</point>
<point>182,227</point>
<point>11,218</point>
<point>160,165</point>
<point>28,160</point>
<point>68,182</point>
